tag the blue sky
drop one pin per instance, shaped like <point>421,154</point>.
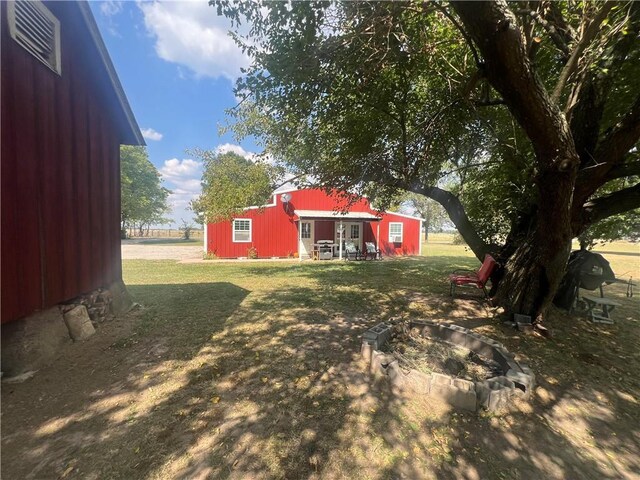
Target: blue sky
<point>177,66</point>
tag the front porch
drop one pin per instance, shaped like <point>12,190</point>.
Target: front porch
<point>325,235</point>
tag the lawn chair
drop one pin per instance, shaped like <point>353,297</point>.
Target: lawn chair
<point>351,252</point>
<point>370,251</point>
<point>478,279</point>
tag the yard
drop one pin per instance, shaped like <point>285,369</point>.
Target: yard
<point>251,370</point>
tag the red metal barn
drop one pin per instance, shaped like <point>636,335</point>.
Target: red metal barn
<point>296,220</point>
<point>64,116</point>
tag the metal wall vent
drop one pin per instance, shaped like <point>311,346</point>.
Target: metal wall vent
<point>33,26</point>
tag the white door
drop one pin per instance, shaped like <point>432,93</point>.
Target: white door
<point>306,238</point>
<point>352,232</point>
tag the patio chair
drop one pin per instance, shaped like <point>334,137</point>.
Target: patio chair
<point>477,279</point>
<point>351,252</point>
<point>370,251</point>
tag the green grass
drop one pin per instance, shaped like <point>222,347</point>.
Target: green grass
<point>263,363</point>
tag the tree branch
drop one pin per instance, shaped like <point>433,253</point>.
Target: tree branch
<point>495,30</point>
<point>553,14</point>
<point>589,34</point>
<point>624,170</point>
<point>458,216</point>
<point>611,204</point>
<point>465,35</point>
<point>621,138</point>
<point>489,103</point>
<point>551,30</point>
<point>609,155</point>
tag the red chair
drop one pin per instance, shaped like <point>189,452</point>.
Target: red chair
<point>478,279</point>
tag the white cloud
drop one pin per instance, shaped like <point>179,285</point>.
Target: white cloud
<point>237,149</point>
<point>193,35</point>
<point>183,179</point>
<point>151,134</point>
<point>110,8</point>
<point>109,11</point>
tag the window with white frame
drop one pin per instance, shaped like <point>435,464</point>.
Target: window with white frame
<point>37,30</point>
<point>242,230</point>
<point>306,230</point>
<point>355,232</point>
<point>395,232</point>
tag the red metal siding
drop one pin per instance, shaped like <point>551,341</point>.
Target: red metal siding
<point>324,230</point>
<point>275,232</point>
<point>60,172</point>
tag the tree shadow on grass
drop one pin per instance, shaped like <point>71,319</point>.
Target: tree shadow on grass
<point>214,381</point>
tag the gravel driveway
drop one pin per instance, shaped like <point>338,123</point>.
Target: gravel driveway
<point>132,251</point>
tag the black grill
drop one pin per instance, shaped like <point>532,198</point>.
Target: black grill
<point>586,270</point>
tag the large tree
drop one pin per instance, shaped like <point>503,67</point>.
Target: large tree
<point>231,182</point>
<point>144,199</point>
<point>538,102</point>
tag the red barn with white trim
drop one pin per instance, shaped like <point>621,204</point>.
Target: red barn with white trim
<point>297,220</point>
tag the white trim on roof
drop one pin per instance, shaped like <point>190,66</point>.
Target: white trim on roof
<point>406,216</point>
<point>362,216</point>
<point>274,196</point>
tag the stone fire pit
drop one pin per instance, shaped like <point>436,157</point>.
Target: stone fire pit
<point>516,380</point>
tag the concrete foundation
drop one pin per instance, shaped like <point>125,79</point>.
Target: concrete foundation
<point>32,342</point>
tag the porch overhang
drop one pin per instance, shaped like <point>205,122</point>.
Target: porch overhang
<point>331,215</point>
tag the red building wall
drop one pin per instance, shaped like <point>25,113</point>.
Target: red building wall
<point>275,228</point>
<point>60,171</point>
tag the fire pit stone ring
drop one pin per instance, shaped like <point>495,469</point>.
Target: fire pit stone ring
<point>491,394</point>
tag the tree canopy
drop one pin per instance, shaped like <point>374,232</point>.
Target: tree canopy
<point>144,199</point>
<point>231,182</point>
<point>531,108</point>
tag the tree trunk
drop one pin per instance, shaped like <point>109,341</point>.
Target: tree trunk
<point>458,216</point>
<point>427,225</point>
<point>533,272</point>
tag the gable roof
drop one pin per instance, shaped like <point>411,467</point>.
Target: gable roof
<point>306,213</point>
<point>134,136</point>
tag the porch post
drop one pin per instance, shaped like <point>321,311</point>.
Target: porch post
<point>378,235</point>
<point>206,227</point>
<point>340,245</point>
<point>299,239</point>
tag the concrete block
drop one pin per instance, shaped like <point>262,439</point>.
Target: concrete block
<point>521,380</point>
<point>33,341</point>
<point>79,323</point>
<point>465,400</point>
<point>380,361</point>
<point>473,344</point>
<point>527,371</point>
<point>483,390</point>
<point>464,385</point>
<point>418,382</point>
<point>457,337</point>
<point>440,379</point>
<point>366,351</point>
<point>396,376</point>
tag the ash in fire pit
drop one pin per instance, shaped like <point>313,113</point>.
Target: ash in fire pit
<point>430,355</point>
